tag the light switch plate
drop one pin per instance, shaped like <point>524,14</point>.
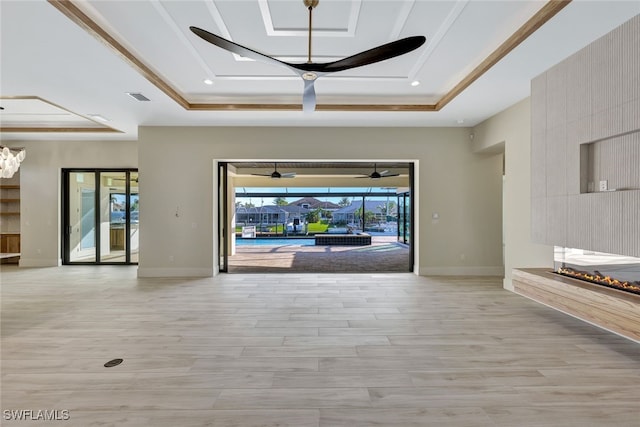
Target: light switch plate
<point>603,185</point>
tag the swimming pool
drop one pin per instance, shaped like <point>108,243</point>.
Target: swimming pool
<point>275,242</point>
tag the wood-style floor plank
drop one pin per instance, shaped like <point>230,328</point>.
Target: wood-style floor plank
<point>303,350</point>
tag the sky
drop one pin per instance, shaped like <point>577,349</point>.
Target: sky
<point>269,200</point>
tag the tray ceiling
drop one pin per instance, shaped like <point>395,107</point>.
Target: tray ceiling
<point>479,59</point>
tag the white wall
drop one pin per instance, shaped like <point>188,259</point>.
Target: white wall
<point>511,130</point>
<point>40,190</point>
<point>177,188</point>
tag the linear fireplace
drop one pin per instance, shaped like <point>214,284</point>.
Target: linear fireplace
<point>610,270</point>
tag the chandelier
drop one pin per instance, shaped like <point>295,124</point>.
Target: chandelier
<point>9,162</point>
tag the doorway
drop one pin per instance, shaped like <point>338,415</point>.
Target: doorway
<point>270,225</point>
<point>100,216</point>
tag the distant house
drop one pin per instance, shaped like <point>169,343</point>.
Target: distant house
<point>313,203</point>
<point>117,206</point>
<point>270,215</point>
<point>348,214</point>
<point>261,215</point>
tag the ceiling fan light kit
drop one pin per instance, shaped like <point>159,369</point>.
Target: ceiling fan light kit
<point>311,71</point>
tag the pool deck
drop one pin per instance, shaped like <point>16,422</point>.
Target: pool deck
<point>384,254</point>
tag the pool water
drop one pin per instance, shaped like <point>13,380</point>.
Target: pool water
<point>275,242</point>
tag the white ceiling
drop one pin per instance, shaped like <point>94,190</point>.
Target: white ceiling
<point>47,55</point>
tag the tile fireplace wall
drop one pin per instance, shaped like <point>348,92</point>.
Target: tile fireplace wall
<point>585,117</point>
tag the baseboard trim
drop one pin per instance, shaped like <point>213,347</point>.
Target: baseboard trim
<point>461,271</point>
<point>507,283</point>
<point>175,272</point>
<point>37,263</point>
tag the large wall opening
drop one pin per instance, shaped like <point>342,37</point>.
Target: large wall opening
<point>319,217</point>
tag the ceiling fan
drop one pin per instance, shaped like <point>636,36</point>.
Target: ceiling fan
<point>310,71</point>
<point>275,174</point>
<point>377,175</point>
<point>132,179</point>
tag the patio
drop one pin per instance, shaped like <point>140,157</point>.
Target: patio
<point>384,254</point>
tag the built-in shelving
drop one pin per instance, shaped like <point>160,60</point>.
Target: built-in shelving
<point>9,221</point>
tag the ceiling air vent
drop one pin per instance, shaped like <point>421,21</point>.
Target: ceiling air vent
<point>138,96</point>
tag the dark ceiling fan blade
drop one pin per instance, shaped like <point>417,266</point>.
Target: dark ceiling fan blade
<point>235,47</point>
<point>309,96</point>
<point>377,175</point>
<point>377,54</point>
<point>371,56</point>
<point>275,174</point>
<point>310,71</point>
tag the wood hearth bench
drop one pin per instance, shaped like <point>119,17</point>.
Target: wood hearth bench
<point>611,309</point>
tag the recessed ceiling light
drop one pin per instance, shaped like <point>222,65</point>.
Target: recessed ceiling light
<point>460,121</point>
<point>415,83</point>
<point>208,81</point>
<point>138,96</point>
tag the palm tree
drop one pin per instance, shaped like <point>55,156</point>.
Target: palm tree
<point>314,215</point>
<point>357,216</point>
<point>280,201</point>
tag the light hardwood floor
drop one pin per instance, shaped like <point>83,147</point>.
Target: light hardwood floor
<point>303,350</point>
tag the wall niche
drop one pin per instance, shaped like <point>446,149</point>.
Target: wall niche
<point>610,164</point>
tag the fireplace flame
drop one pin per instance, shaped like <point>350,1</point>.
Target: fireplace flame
<point>601,279</point>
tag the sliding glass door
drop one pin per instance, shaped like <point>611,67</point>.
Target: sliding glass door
<point>404,217</point>
<point>81,236</point>
<point>223,235</point>
<point>100,216</point>
<point>134,219</point>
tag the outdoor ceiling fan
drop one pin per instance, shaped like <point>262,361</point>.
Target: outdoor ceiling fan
<point>310,71</point>
<point>275,174</point>
<point>123,179</point>
<point>377,175</point>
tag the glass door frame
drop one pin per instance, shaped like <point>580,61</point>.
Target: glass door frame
<point>223,217</point>
<point>66,222</point>
<point>407,199</point>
